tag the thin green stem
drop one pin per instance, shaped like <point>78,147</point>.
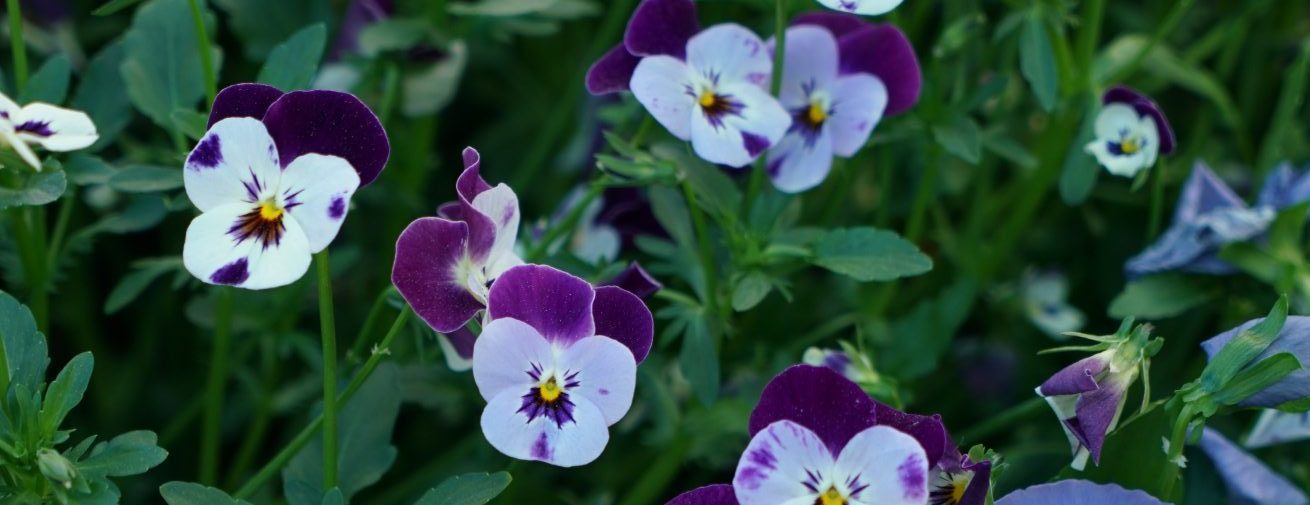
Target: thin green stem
<point>18,45</point>
<point>706,250</point>
<point>390,89</point>
<point>270,469</point>
<point>328,326</point>
<point>61,226</point>
<point>210,429</point>
<point>1157,201</point>
<point>1001,422</point>
<point>370,321</point>
<point>204,48</point>
<point>756,182</point>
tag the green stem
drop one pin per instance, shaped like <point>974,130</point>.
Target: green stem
<point>390,89</point>
<point>18,45</point>
<point>369,322</point>
<point>328,325</point>
<point>210,429</point>
<point>206,54</point>
<point>1177,441</point>
<point>655,479</point>
<point>61,226</point>
<point>271,468</point>
<point>1162,30</point>
<point>757,175</point>
<point>1001,422</point>
<point>1090,34</point>
<point>567,224</point>
<point>706,250</point>
<point>1157,202</point>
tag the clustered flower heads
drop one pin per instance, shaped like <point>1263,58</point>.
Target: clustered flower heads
<point>47,126</point>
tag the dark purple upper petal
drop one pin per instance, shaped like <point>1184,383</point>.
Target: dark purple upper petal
<point>556,304</point>
<point>635,280</point>
<point>612,72</point>
<point>359,15</point>
<point>427,253</point>
<point>1146,107</point>
<point>884,51</point>
<point>1078,492</point>
<point>243,100</point>
<point>830,405</point>
<point>329,122</point>
<point>1079,377</point>
<point>928,430</point>
<point>837,23</point>
<point>622,316</point>
<point>976,493</point>
<point>482,229</point>
<point>661,27</point>
<point>716,494</point>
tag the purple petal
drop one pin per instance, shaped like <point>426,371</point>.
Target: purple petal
<point>243,100</point>
<point>427,253</point>
<point>1146,107</point>
<point>716,494</point>
<point>1094,414</point>
<point>976,493</point>
<point>927,430</point>
<point>837,23</point>
<point>622,316</point>
<point>462,341</point>
<point>1079,377</point>
<point>482,229</point>
<point>661,27</point>
<point>556,304</point>
<point>830,405</point>
<point>883,51</point>
<point>1247,478</point>
<point>612,72</point>
<point>635,280</point>
<point>1285,187</point>
<point>332,123</point>
<point>1204,192</point>
<point>1293,338</point>
<point>359,15</point>
<point>1078,492</point>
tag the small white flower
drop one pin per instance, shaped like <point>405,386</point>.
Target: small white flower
<point>863,7</point>
<point>50,127</point>
<point>1126,143</point>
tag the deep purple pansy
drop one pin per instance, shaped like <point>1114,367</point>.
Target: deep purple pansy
<point>1249,481</point>
<point>557,364</point>
<point>1088,397</point>
<point>1131,132</point>
<point>1293,338</point>
<point>657,27</point>
<point>273,178</point>
<point>840,77</point>
<point>1078,492</point>
<point>444,265</point>
<point>47,126</point>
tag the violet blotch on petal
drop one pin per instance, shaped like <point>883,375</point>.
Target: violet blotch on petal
<point>1078,492</point>
<point>1131,132</point>
<point>1294,338</point>
<point>43,125</point>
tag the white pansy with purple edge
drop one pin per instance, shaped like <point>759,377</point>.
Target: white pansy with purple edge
<point>1131,132</point>
<point>716,97</point>
<point>557,364</point>
<point>863,7</point>
<point>50,127</point>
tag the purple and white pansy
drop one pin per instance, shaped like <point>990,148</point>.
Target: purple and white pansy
<point>1078,492</point>
<point>862,7</point>
<point>47,126</point>
<point>1131,132</point>
<point>557,364</point>
<point>840,77</point>
<point>273,178</point>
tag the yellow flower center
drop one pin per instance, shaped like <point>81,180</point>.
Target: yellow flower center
<point>707,99</point>
<point>832,497</point>
<point>1129,146</point>
<point>816,115</point>
<point>957,492</point>
<point>550,391</point>
<point>269,211</point>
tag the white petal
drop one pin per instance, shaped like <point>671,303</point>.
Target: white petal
<point>1114,119</point>
<point>573,443</point>
<point>24,151</point>
<point>661,84</point>
<point>777,463</point>
<point>1117,164</point>
<point>235,161</point>
<point>810,64</point>
<point>742,136</point>
<point>862,7</point>
<point>68,129</point>
<point>501,205</point>
<point>795,165</point>
<point>885,466</point>
<point>7,106</point>
<point>607,374</point>
<point>730,52</point>
<point>456,362</point>
<point>316,189</point>
<point>597,245</point>
<point>858,101</point>
<point>503,355</point>
<point>504,262</point>
<point>215,256</point>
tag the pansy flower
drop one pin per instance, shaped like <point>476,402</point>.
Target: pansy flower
<point>657,27</point>
<point>863,7</point>
<point>1248,479</point>
<point>445,264</point>
<point>1209,215</point>
<point>1131,132</point>
<point>47,126</point>
<point>273,178</point>
<point>1078,492</point>
<point>557,364</point>
<point>840,77</point>
<point>1293,338</point>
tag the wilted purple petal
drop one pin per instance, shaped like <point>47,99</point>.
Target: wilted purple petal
<point>612,72</point>
<point>622,316</point>
<point>1078,492</point>
<point>817,398</point>
<point>884,51</point>
<point>661,27</point>
<point>1248,480</point>
<point>556,304</point>
<point>1293,338</point>
<point>482,230</point>
<point>927,430</point>
<point>427,254</point>
<point>716,494</point>
<point>1144,107</point>
<point>1079,377</point>
<point>332,123</point>
<point>243,100</point>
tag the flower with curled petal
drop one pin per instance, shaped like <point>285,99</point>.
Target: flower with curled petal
<point>47,126</point>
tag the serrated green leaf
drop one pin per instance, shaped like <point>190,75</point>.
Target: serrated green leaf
<point>750,290</point>
<point>23,357</point>
<point>917,341</point>
<point>292,64</point>
<point>146,179</point>
<point>84,169</point>
<point>429,91</point>
<point>103,96</point>
<point>190,493</point>
<point>670,210</point>
<point>35,188</point>
<point>113,6</point>
<point>1159,296</point>
<point>396,34</point>
<point>262,25</point>
<point>869,254</point>
<point>190,123</point>
<point>467,489</point>
<point>131,453</point>
<point>699,361</point>
<point>1080,170</point>
<point>500,8</point>
<point>49,83</point>
<point>1037,61</point>
<point>66,391</point>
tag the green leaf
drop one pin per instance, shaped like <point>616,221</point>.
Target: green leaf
<point>1256,378</point>
<point>1080,170</point>
<point>113,6</point>
<point>869,254</point>
<point>1286,232</point>
<point>1160,296</point>
<point>190,493</point>
<point>396,34</point>
<point>670,210</point>
<point>1290,100</point>
<point>35,188</point>
<point>714,190</point>
<point>292,64</point>
<point>84,169</point>
<point>66,391</point>
<point>23,357</point>
<point>190,123</point>
<point>959,136</point>
<point>1163,63</point>
<point>161,67</point>
<point>699,361</point>
<point>146,179</point>
<point>1037,61</point>
<point>1296,406</point>
<point>1255,262</point>
<point>1139,443</point>
<point>261,25</point>
<point>750,290</point>
<point>467,489</point>
<point>102,94</point>
<point>429,91</point>
<point>501,8</point>
<point>917,341</point>
<point>50,82</point>
<point>1243,348</point>
<point>132,284</point>
<point>131,453</point>
<point>1009,149</point>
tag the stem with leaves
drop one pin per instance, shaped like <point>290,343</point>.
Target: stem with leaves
<point>17,44</point>
<point>780,33</point>
<point>206,55</point>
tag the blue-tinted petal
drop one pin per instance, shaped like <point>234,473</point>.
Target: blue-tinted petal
<point>1294,338</point>
<point>1285,187</point>
<point>1249,481</point>
<point>1078,492</point>
<point>1203,192</point>
<point>1277,427</point>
